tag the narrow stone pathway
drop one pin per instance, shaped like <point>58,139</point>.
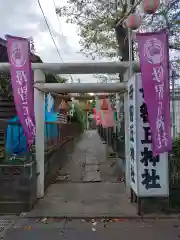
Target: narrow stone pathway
<point>89,162</point>
<point>87,186</point>
<point>92,162</point>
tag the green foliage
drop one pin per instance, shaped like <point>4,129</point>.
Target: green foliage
<point>79,116</point>
<point>96,20</point>
<point>174,174</point>
<point>5,79</point>
<point>60,79</point>
<point>176,148</point>
<point>93,104</point>
<point>52,78</point>
<point>5,84</point>
<point>167,16</point>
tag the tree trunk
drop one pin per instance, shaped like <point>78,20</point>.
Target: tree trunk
<point>122,39</point>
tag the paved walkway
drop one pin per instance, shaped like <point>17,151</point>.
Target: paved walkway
<point>88,186</point>
<point>34,229</point>
<point>89,162</point>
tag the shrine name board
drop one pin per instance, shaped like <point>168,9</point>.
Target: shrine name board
<point>148,174</point>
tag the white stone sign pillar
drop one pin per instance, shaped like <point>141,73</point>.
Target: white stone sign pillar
<point>148,174</point>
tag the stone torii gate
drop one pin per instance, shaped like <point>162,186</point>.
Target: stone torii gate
<point>74,68</point>
<point>40,86</point>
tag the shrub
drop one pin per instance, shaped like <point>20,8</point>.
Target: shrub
<point>176,147</point>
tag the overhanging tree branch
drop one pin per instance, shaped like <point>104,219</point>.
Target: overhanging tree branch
<point>174,47</point>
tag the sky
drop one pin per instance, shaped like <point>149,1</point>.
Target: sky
<point>25,19</point>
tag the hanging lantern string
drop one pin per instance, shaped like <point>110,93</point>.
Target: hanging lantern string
<point>129,12</point>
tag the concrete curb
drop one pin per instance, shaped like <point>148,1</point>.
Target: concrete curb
<point>152,216</point>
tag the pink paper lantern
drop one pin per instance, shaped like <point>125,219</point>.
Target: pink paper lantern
<point>133,21</point>
<point>150,6</point>
<point>104,105</point>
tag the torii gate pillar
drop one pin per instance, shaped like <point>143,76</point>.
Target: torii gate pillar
<point>126,125</point>
<point>39,77</point>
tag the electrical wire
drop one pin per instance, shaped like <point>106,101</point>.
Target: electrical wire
<point>47,24</point>
<point>57,17</point>
<point>60,30</point>
<point>50,30</point>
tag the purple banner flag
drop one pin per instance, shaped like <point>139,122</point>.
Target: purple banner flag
<point>154,63</point>
<point>22,83</point>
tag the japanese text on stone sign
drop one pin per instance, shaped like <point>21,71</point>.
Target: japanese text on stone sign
<point>131,134</point>
<point>157,75</point>
<point>150,177</point>
<point>21,80</point>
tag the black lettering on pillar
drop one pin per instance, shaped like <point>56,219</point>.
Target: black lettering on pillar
<point>147,136</point>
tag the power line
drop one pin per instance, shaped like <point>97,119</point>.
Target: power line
<point>57,17</point>
<point>50,30</point>
<point>61,31</point>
